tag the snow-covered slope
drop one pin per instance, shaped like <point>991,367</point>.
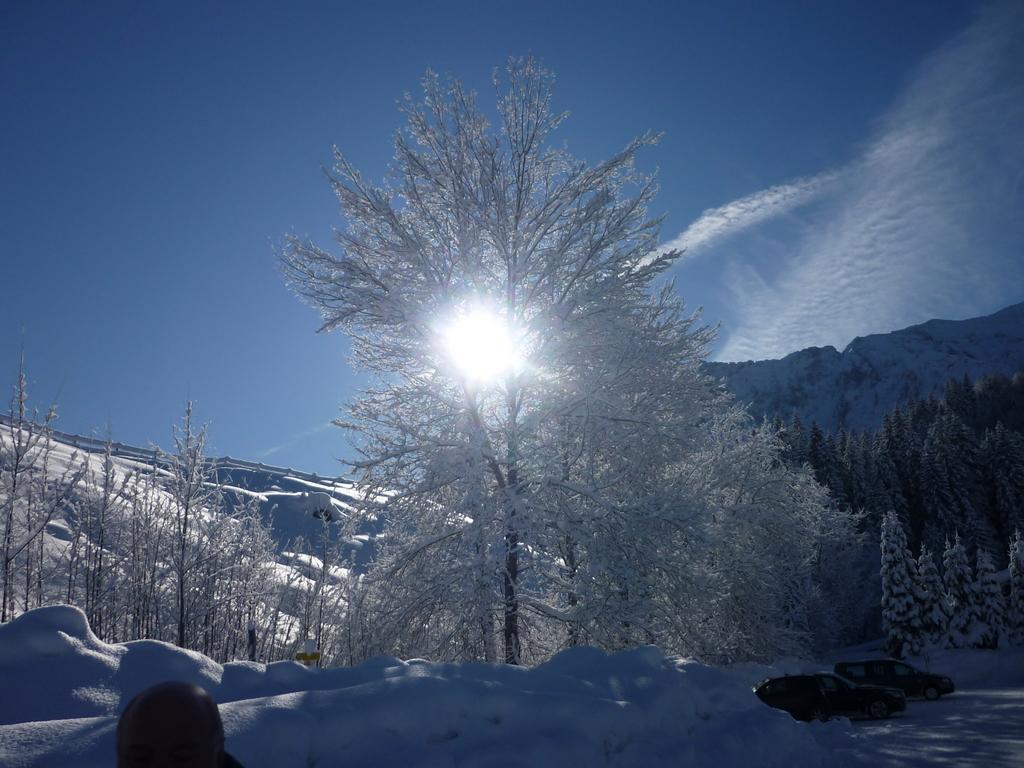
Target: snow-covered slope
<point>295,503</point>
<point>855,388</point>
<point>99,536</point>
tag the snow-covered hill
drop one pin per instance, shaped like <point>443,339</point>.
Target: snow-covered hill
<point>268,547</point>
<point>855,388</point>
<point>293,502</point>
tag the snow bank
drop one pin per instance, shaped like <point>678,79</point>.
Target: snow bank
<point>53,667</point>
<point>63,689</point>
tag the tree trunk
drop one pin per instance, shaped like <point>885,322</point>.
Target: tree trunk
<point>511,608</point>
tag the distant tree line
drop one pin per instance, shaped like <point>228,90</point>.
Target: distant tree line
<point>946,467</point>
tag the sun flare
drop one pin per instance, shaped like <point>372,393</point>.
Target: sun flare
<point>482,345</point>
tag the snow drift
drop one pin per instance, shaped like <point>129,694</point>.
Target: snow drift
<point>64,688</point>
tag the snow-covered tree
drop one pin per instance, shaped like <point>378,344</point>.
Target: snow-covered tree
<point>1015,609</point>
<point>991,608</point>
<point>932,605</point>
<point>890,459</point>
<point>953,446</point>
<point>96,526</point>
<point>961,595</point>
<point>1002,458</point>
<point>901,619</point>
<point>540,436</point>
<point>146,590</point>
<point>33,490</point>
<point>195,494</point>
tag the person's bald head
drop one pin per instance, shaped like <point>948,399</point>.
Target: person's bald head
<point>171,724</point>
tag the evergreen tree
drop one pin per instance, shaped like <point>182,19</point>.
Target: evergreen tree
<point>991,610</point>
<point>901,619</point>
<point>868,478</point>
<point>919,417</point>
<point>933,606</point>
<point>942,513</point>
<point>1002,460</point>
<point>892,460</point>
<point>957,448</point>
<point>848,469</point>
<point>817,454</point>
<point>1000,399</point>
<point>961,400</point>
<point>960,595</point>
<point>795,437</point>
<point>1015,612</point>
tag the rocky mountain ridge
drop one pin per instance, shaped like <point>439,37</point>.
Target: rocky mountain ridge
<point>855,388</point>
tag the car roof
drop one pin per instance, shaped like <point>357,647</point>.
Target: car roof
<point>788,677</point>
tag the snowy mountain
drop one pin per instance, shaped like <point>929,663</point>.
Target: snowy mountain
<point>855,388</point>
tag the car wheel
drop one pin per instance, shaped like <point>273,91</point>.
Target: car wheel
<point>931,693</point>
<point>819,714</point>
<point>878,709</point>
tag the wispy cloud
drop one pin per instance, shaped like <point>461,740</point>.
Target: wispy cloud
<point>925,223</point>
<point>718,223</point>
<point>268,452</point>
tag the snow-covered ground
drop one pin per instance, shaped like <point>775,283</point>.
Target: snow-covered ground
<point>982,724</point>
<point>62,690</point>
<point>973,727</point>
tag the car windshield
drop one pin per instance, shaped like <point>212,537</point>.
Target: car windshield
<point>848,683</point>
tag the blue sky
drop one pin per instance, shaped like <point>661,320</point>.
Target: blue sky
<point>834,169</point>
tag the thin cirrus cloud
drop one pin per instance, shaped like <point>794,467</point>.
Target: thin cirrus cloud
<point>292,441</point>
<point>718,223</point>
<point>924,223</point>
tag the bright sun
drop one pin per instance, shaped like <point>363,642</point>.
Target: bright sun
<point>482,345</point>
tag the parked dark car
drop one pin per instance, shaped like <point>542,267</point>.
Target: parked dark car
<point>800,695</point>
<point>895,674</point>
<point>847,698</point>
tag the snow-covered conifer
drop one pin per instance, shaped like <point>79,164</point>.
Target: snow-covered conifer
<point>1002,453</point>
<point>954,445</point>
<point>890,459</point>
<point>932,603</point>
<point>991,609</point>
<point>900,611</point>
<point>960,595</point>
<point>1015,610</point>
